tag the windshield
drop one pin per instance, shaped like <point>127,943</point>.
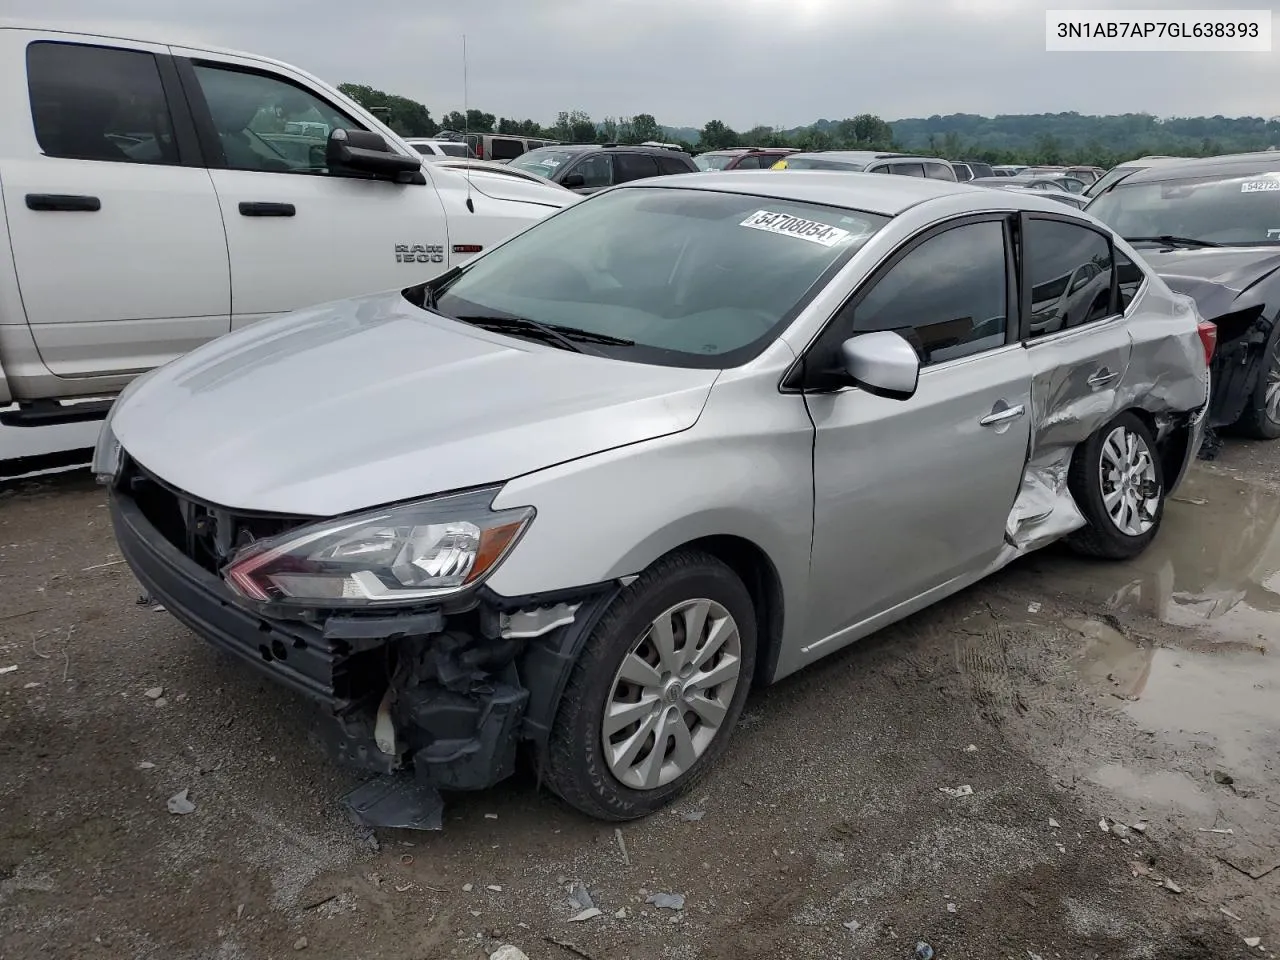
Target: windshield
<point>712,161</point>
<point>1240,210</point>
<point>544,161</point>
<point>1108,178</point>
<point>817,163</point>
<point>689,277</point>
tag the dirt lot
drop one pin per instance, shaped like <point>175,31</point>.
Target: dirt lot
<point>1062,692</point>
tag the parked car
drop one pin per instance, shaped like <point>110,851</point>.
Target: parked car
<point>440,148</point>
<point>1008,169</point>
<point>963,171</point>
<point>1120,171</point>
<point>978,168</point>
<point>502,147</point>
<point>1086,175</point>
<point>1042,181</point>
<point>588,167</point>
<point>1074,200</point>
<point>157,197</point>
<point>1210,229</point>
<point>869,162</point>
<point>742,158</point>
<point>640,489</point>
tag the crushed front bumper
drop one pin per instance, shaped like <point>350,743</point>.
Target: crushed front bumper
<point>440,698</point>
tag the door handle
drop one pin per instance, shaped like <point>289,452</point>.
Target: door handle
<point>259,208</point>
<point>1003,416</point>
<point>1102,378</point>
<point>62,201</point>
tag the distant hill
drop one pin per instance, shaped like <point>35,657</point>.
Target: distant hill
<point>1101,138</point>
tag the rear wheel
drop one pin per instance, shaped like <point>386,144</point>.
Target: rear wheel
<point>656,691</point>
<point>1117,481</point>
<point>1261,417</point>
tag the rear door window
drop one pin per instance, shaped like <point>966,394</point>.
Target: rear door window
<point>908,169</point>
<point>99,103</point>
<point>633,166</point>
<point>938,171</point>
<point>505,148</point>
<point>1068,269</point>
<point>669,165</point>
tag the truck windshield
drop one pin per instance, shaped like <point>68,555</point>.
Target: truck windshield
<point>685,277</point>
<point>1241,210</point>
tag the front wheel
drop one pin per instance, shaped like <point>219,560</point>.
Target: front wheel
<point>1117,481</point>
<point>656,691</point>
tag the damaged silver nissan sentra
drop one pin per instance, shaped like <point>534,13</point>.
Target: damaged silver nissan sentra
<point>680,439</point>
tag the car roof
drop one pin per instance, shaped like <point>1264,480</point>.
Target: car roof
<point>869,192</point>
<point>632,147</point>
<point>860,156</point>
<point>1228,165</point>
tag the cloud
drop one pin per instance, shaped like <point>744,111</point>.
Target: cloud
<point>746,62</point>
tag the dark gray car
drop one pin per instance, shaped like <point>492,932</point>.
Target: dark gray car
<point>588,167</point>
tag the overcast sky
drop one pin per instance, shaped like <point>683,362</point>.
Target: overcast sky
<point>746,62</point>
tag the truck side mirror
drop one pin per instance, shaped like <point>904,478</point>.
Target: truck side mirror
<point>367,152</point>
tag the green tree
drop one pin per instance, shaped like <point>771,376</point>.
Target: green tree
<point>716,136</point>
<point>644,127</point>
<point>406,117</point>
<point>574,126</point>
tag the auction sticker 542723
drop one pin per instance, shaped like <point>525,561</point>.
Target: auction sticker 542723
<point>787,225</point>
<point>1259,186</point>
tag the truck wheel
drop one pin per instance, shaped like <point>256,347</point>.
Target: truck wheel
<point>1117,481</point>
<point>656,691</point>
<point>1261,417</point>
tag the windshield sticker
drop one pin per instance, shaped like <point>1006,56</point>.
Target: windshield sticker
<point>1259,186</point>
<point>1273,234</point>
<point>786,225</point>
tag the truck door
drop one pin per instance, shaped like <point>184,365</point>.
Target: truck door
<point>298,234</point>
<point>117,237</point>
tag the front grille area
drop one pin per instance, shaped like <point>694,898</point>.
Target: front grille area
<point>207,533</point>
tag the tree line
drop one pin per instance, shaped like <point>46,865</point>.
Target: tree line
<point>1046,138</point>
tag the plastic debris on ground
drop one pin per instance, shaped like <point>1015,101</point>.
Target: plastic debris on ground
<point>508,952</point>
<point>581,896</point>
<point>1054,823</point>
<point>851,925</point>
<point>963,790</point>
<point>588,914</point>
<point>667,901</point>
<point>1253,942</point>
<point>693,816</point>
<point>180,803</point>
<point>9,669</point>
<point>924,951</point>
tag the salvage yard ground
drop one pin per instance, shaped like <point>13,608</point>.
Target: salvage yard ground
<point>1119,726</point>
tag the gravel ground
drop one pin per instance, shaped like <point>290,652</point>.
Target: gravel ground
<point>1105,716</point>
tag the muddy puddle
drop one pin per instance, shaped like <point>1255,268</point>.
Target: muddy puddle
<point>1206,677</point>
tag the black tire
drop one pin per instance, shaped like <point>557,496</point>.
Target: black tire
<point>574,763</point>
<point>1255,421</point>
<point>1101,537</point>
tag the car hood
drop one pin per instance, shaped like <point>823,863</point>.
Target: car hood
<point>372,400</point>
<point>1213,277</point>
<point>500,187</point>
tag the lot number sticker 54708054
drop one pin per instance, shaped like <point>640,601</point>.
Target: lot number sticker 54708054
<point>789,226</point>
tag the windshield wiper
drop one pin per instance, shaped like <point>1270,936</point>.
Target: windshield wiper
<point>1171,241</point>
<point>567,338</point>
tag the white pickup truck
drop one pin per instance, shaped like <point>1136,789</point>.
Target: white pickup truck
<point>158,196</point>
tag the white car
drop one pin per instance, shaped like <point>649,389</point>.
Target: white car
<point>440,148</point>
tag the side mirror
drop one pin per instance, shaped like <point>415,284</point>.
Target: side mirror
<point>368,153</point>
<point>883,363</point>
<point>573,181</point>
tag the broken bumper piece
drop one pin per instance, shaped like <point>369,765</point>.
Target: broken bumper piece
<point>396,803</point>
<point>431,700</point>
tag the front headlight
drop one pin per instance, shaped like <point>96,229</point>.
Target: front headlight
<point>401,554</point>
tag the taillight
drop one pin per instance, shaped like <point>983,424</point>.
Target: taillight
<point>1208,339</point>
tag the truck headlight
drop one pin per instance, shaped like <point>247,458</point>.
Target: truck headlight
<point>407,553</point>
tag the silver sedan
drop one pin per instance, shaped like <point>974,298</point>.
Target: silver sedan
<point>681,439</point>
